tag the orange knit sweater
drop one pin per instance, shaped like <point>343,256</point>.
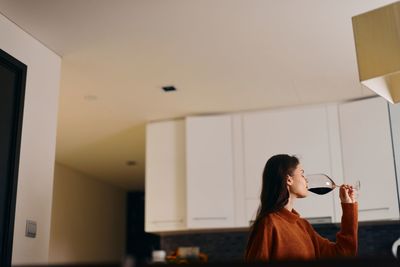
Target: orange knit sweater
<point>284,235</point>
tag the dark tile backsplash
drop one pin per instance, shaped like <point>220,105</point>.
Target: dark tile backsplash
<point>223,246</point>
<point>374,240</point>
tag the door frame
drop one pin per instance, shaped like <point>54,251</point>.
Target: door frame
<point>11,181</point>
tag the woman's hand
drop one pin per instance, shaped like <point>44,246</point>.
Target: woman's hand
<point>347,194</point>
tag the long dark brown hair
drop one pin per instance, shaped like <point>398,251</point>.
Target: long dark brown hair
<point>274,192</point>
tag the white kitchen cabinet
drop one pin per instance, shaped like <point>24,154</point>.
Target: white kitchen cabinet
<point>210,172</point>
<point>238,173</point>
<point>302,131</point>
<point>165,185</point>
<point>368,157</point>
<point>252,206</point>
<point>205,172</point>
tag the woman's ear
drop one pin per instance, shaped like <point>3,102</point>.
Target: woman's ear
<point>289,180</point>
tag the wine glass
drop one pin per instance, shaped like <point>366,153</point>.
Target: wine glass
<point>322,184</point>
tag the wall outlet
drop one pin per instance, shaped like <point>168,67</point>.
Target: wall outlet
<point>30,230</point>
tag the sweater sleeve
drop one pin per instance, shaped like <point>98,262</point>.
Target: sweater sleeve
<point>346,238</point>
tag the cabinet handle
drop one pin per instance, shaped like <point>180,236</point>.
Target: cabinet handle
<point>209,218</point>
<point>168,221</point>
<point>326,219</point>
<point>373,209</point>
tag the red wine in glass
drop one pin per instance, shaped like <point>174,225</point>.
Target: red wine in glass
<point>320,190</point>
<point>322,184</point>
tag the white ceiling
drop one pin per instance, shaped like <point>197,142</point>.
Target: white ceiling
<point>222,55</point>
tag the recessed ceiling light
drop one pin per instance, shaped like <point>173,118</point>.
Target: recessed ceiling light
<point>169,88</point>
<point>90,97</point>
<point>131,163</point>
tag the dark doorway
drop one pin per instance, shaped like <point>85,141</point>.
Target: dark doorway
<point>139,244</point>
<point>12,92</point>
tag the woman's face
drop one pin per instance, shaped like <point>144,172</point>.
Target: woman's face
<point>297,183</point>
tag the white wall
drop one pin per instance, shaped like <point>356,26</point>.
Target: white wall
<point>88,219</point>
<point>394,111</point>
<point>35,182</point>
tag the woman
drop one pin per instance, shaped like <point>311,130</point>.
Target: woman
<point>279,233</point>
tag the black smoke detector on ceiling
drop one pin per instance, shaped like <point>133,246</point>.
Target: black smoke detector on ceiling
<point>131,163</point>
<point>169,88</point>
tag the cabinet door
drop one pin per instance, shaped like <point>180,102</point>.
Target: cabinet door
<point>368,157</point>
<point>209,154</point>
<point>299,131</point>
<point>238,172</point>
<point>165,176</point>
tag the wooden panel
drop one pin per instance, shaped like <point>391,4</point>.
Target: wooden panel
<point>72,265</point>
